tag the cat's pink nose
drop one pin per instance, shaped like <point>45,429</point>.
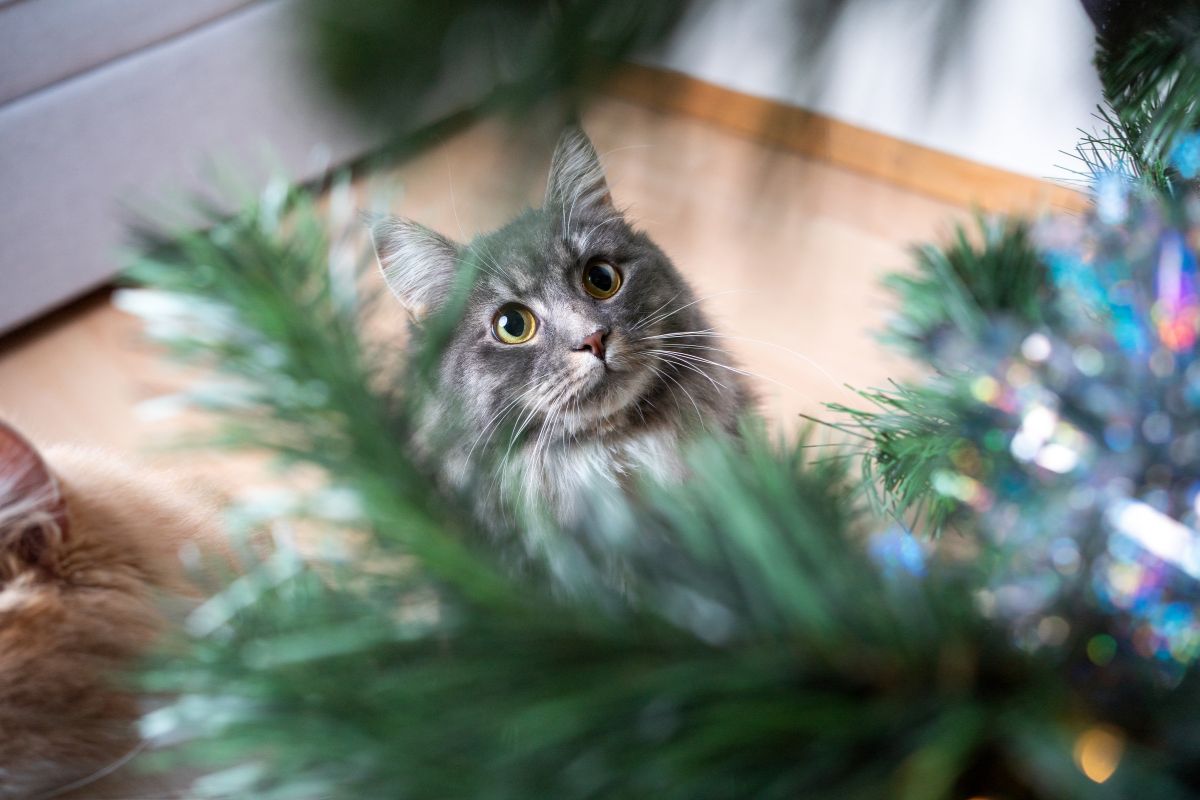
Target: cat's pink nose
<point>594,341</point>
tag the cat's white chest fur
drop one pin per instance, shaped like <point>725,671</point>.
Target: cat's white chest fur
<point>576,477</point>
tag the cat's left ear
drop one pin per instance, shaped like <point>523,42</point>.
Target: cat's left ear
<point>33,511</point>
<point>418,265</point>
<point>576,177</point>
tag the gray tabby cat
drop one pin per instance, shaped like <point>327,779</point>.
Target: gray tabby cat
<point>578,335</point>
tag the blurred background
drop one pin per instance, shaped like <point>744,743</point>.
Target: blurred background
<point>785,153</point>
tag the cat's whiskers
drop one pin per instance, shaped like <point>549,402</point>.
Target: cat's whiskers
<point>496,419</point>
<point>552,409</point>
<point>699,347</point>
<point>547,428</point>
<point>671,355</point>
<point>524,419</point>
<point>637,406</point>
<point>554,421</point>
<point>714,335</point>
<point>570,429</point>
<point>635,326</point>
<point>493,422</point>
<point>675,334</point>
<point>546,405</point>
<point>572,407</point>
<point>496,427</point>
<point>686,393</point>
<point>528,417</point>
<point>562,431</point>
<point>666,316</point>
<point>648,402</point>
<point>657,368</point>
<point>747,373</point>
<point>574,433</point>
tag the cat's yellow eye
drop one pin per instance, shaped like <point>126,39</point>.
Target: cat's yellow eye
<point>514,324</point>
<point>601,280</point>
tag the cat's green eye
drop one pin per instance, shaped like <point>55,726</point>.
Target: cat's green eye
<point>514,324</point>
<point>601,279</point>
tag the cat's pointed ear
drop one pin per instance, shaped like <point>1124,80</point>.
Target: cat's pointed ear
<point>576,176</point>
<point>33,512</point>
<point>418,265</point>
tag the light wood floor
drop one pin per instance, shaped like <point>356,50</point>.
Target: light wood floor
<point>788,251</point>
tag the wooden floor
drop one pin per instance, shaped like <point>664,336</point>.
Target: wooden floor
<point>788,251</point>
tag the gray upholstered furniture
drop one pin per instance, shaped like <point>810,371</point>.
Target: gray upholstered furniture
<point>111,104</point>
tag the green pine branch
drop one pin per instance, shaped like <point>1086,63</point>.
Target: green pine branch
<point>962,287</point>
<point>1149,66</point>
<point>727,637</point>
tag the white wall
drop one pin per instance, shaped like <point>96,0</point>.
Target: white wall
<point>143,124</point>
<point>1017,83</point>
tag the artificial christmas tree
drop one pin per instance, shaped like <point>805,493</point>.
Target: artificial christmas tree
<point>762,630</point>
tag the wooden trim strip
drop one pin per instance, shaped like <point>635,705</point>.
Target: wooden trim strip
<point>910,166</point>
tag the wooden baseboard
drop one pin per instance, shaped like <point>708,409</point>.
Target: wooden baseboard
<point>919,169</point>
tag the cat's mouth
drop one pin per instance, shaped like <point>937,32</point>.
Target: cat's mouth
<point>606,387</point>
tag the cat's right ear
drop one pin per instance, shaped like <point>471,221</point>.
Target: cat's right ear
<point>33,512</point>
<point>418,265</point>
<point>576,175</point>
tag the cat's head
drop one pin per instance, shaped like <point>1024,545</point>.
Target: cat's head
<point>87,545</point>
<point>33,510</point>
<point>69,512</point>
<point>558,318</point>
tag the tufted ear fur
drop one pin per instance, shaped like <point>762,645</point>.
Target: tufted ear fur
<point>418,264</point>
<point>576,177</point>
<point>33,513</point>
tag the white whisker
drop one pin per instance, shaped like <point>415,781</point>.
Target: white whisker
<point>663,317</point>
<point>462,235</point>
<point>642,321</point>
<point>670,355</point>
<point>699,347</point>
<point>607,153</point>
<point>497,418</point>
<point>711,334</point>
<point>747,373</point>
<point>687,394</point>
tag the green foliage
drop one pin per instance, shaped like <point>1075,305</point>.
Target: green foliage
<point>962,287</point>
<point>908,436</point>
<point>1149,64</point>
<point>401,64</point>
<point>1150,67</point>
<point>729,664</point>
<point>731,636</point>
<point>1148,60</point>
<point>726,637</point>
<point>255,298</point>
<point>397,60</point>
<point>962,291</point>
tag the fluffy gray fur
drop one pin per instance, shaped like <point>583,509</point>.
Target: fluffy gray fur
<point>563,429</point>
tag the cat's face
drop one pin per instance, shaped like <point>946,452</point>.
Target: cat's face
<point>560,321</point>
